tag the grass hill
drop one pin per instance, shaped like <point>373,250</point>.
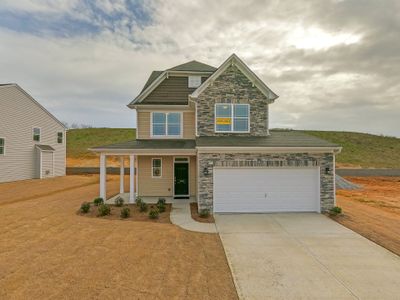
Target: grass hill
<point>359,149</point>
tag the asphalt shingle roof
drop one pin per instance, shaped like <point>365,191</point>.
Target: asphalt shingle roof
<point>151,144</point>
<point>45,147</point>
<point>194,66</point>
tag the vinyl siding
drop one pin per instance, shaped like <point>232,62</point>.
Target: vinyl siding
<point>18,115</point>
<point>162,187</point>
<point>144,126</point>
<point>47,164</point>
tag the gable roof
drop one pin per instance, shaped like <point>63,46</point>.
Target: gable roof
<point>4,85</point>
<point>153,76</point>
<point>193,66</point>
<point>235,60</point>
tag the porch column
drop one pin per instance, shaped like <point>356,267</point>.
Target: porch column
<point>131,178</point>
<point>121,175</point>
<point>103,175</point>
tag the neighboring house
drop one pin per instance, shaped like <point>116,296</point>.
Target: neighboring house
<point>32,140</point>
<point>203,132</point>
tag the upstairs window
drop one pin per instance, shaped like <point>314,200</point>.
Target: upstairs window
<point>156,167</point>
<point>194,81</point>
<point>232,117</point>
<point>166,124</point>
<point>59,137</point>
<point>2,146</point>
<point>36,134</point>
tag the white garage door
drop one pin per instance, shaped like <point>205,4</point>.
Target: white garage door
<point>266,190</point>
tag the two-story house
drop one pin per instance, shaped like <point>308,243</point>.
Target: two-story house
<point>203,132</point>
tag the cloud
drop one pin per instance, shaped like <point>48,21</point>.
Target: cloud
<point>334,63</point>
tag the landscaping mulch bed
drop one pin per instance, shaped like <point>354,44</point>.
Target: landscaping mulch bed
<point>195,214</point>
<point>136,214</point>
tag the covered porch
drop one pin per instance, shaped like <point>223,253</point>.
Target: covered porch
<point>157,168</point>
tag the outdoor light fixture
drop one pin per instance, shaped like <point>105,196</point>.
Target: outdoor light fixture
<point>327,170</point>
<point>205,171</point>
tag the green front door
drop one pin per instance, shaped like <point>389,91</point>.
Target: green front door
<point>181,179</point>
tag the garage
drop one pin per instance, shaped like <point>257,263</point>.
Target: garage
<point>257,190</point>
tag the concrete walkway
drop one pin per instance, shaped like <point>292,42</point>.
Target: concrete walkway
<point>181,216</point>
<point>305,256</point>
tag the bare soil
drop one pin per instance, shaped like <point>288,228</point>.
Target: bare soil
<point>195,214</point>
<point>136,214</point>
<point>373,211</point>
<point>48,251</point>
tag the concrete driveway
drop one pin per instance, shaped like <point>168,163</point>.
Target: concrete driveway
<point>305,256</point>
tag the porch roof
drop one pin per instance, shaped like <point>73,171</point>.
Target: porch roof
<point>161,144</point>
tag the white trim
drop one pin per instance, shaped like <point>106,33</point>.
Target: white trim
<point>232,117</point>
<point>146,151</point>
<point>40,164</point>
<point>235,60</point>
<point>166,136</point>
<point>4,146</point>
<point>33,134</point>
<point>195,118</point>
<point>194,81</point>
<point>161,168</point>
<point>173,175</point>
<point>137,174</point>
<point>131,178</point>
<point>161,107</point>
<point>121,175</point>
<point>34,101</point>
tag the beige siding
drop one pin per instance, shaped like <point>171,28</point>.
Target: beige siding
<point>148,186</point>
<point>143,127</point>
<point>19,114</point>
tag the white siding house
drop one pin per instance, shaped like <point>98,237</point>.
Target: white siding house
<point>32,141</point>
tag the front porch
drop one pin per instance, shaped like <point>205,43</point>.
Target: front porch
<point>151,199</point>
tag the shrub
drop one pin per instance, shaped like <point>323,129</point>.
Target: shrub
<point>161,201</point>
<point>204,213</point>
<point>153,214</point>
<point>85,207</point>
<point>335,210</point>
<point>104,210</point>
<point>119,201</point>
<point>125,212</point>
<point>97,201</point>
<point>138,200</point>
<point>142,206</point>
<point>161,207</point>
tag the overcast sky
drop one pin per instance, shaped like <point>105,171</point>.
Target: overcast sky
<point>334,64</point>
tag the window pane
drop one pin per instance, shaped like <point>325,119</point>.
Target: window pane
<point>240,124</point>
<point>36,130</point>
<point>1,150</point>
<point>156,172</point>
<point>223,110</point>
<point>174,129</point>
<point>241,110</point>
<point>158,117</point>
<point>1,142</point>
<point>174,118</point>
<point>158,129</point>
<point>223,127</point>
<point>156,162</point>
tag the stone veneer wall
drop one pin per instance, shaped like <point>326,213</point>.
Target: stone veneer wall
<point>232,86</point>
<point>205,182</point>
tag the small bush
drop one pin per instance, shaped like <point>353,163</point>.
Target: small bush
<point>334,211</point>
<point>125,212</point>
<point>161,201</point>
<point>119,201</point>
<point>142,206</point>
<point>85,207</point>
<point>104,210</point>
<point>138,200</point>
<point>153,214</point>
<point>97,201</point>
<point>161,207</point>
<point>204,213</point>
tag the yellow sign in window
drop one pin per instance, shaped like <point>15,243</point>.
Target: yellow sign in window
<point>223,121</point>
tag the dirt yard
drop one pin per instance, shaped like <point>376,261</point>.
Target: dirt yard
<point>373,211</point>
<point>48,251</point>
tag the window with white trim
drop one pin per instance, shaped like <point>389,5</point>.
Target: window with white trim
<point>166,124</point>
<point>60,137</point>
<point>2,146</point>
<point>194,81</point>
<point>156,167</point>
<point>231,117</point>
<point>36,134</point>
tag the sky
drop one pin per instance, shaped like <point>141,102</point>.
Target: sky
<point>334,64</point>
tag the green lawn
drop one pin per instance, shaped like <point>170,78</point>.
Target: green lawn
<point>362,149</point>
<point>359,149</point>
<point>79,140</point>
